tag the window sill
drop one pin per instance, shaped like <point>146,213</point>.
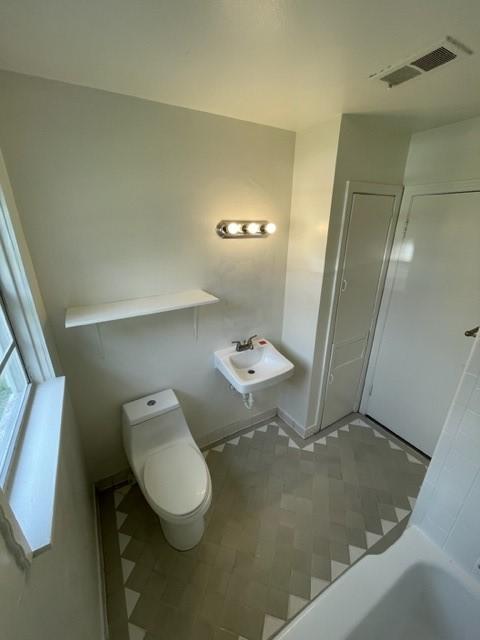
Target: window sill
<point>31,493</point>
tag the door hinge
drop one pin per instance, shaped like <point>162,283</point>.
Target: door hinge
<point>370,391</point>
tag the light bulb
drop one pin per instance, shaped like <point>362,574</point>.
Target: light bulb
<point>253,228</point>
<point>271,227</point>
<point>233,228</point>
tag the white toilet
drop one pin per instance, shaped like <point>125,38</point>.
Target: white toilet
<point>169,467</point>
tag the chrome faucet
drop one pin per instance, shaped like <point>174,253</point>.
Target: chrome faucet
<point>245,345</point>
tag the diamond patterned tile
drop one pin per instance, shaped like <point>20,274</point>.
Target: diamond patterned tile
<point>287,518</point>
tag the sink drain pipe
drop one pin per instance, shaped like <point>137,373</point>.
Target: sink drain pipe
<point>248,400</point>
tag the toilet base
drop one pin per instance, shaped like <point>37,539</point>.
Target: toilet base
<point>183,536</point>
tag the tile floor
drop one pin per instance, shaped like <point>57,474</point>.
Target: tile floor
<point>288,517</point>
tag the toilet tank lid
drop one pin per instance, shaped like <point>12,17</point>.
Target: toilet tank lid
<point>149,407</point>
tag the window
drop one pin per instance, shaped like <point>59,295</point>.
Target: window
<point>31,396</point>
<point>14,386</point>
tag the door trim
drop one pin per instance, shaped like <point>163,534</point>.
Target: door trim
<point>410,192</point>
<point>353,188</point>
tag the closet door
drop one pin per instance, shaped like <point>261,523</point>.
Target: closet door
<point>370,221</point>
<point>434,297</point>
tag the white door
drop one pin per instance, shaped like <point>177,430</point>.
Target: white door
<point>369,228</point>
<point>434,296</point>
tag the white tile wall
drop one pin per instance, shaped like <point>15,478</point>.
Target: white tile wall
<point>448,508</point>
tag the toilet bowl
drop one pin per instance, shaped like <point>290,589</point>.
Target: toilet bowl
<point>168,465</point>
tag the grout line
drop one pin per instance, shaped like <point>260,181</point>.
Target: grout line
<point>337,568</point>
<point>100,565</point>
<point>460,509</point>
<point>401,440</point>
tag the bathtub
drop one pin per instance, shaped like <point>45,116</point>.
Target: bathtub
<point>413,591</point>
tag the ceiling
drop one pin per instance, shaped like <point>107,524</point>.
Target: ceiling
<point>287,63</point>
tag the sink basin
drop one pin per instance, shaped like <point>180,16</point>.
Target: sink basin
<point>255,369</point>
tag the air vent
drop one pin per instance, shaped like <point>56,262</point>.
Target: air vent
<point>400,75</point>
<point>438,56</point>
<point>434,59</point>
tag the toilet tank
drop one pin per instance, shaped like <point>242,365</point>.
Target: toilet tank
<point>150,423</point>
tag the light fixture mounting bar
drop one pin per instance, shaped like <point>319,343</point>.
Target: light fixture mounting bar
<point>237,229</point>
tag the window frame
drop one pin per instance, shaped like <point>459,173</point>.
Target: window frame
<point>21,310</point>
<point>28,493</point>
<point>7,459</point>
<point>20,290</point>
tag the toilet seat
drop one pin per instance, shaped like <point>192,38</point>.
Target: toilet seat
<point>177,480</point>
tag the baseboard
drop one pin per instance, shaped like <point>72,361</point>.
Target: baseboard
<point>125,476</point>
<point>301,431</point>
<point>233,428</point>
<point>309,431</point>
<point>102,593</point>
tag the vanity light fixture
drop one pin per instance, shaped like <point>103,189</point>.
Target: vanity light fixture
<point>230,229</point>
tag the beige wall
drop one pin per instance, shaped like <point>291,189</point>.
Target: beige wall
<point>447,507</point>
<point>314,173</point>
<point>445,154</point>
<point>59,597</point>
<point>119,198</point>
<point>361,148</point>
<point>371,149</point>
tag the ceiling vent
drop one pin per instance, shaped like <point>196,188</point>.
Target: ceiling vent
<point>437,56</point>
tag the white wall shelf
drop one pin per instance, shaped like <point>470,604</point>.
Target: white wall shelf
<point>95,313</point>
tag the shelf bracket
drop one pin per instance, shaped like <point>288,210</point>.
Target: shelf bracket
<point>195,323</point>
<point>101,350</point>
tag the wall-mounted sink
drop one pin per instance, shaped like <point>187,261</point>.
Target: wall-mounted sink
<point>254,369</point>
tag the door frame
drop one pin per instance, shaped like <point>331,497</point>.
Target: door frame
<point>410,192</point>
<point>353,188</point>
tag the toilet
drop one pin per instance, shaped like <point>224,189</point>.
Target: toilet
<point>168,465</point>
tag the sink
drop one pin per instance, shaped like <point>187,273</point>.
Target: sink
<point>255,369</point>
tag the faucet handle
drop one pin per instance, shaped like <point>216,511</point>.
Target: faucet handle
<point>252,337</point>
<point>237,342</point>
